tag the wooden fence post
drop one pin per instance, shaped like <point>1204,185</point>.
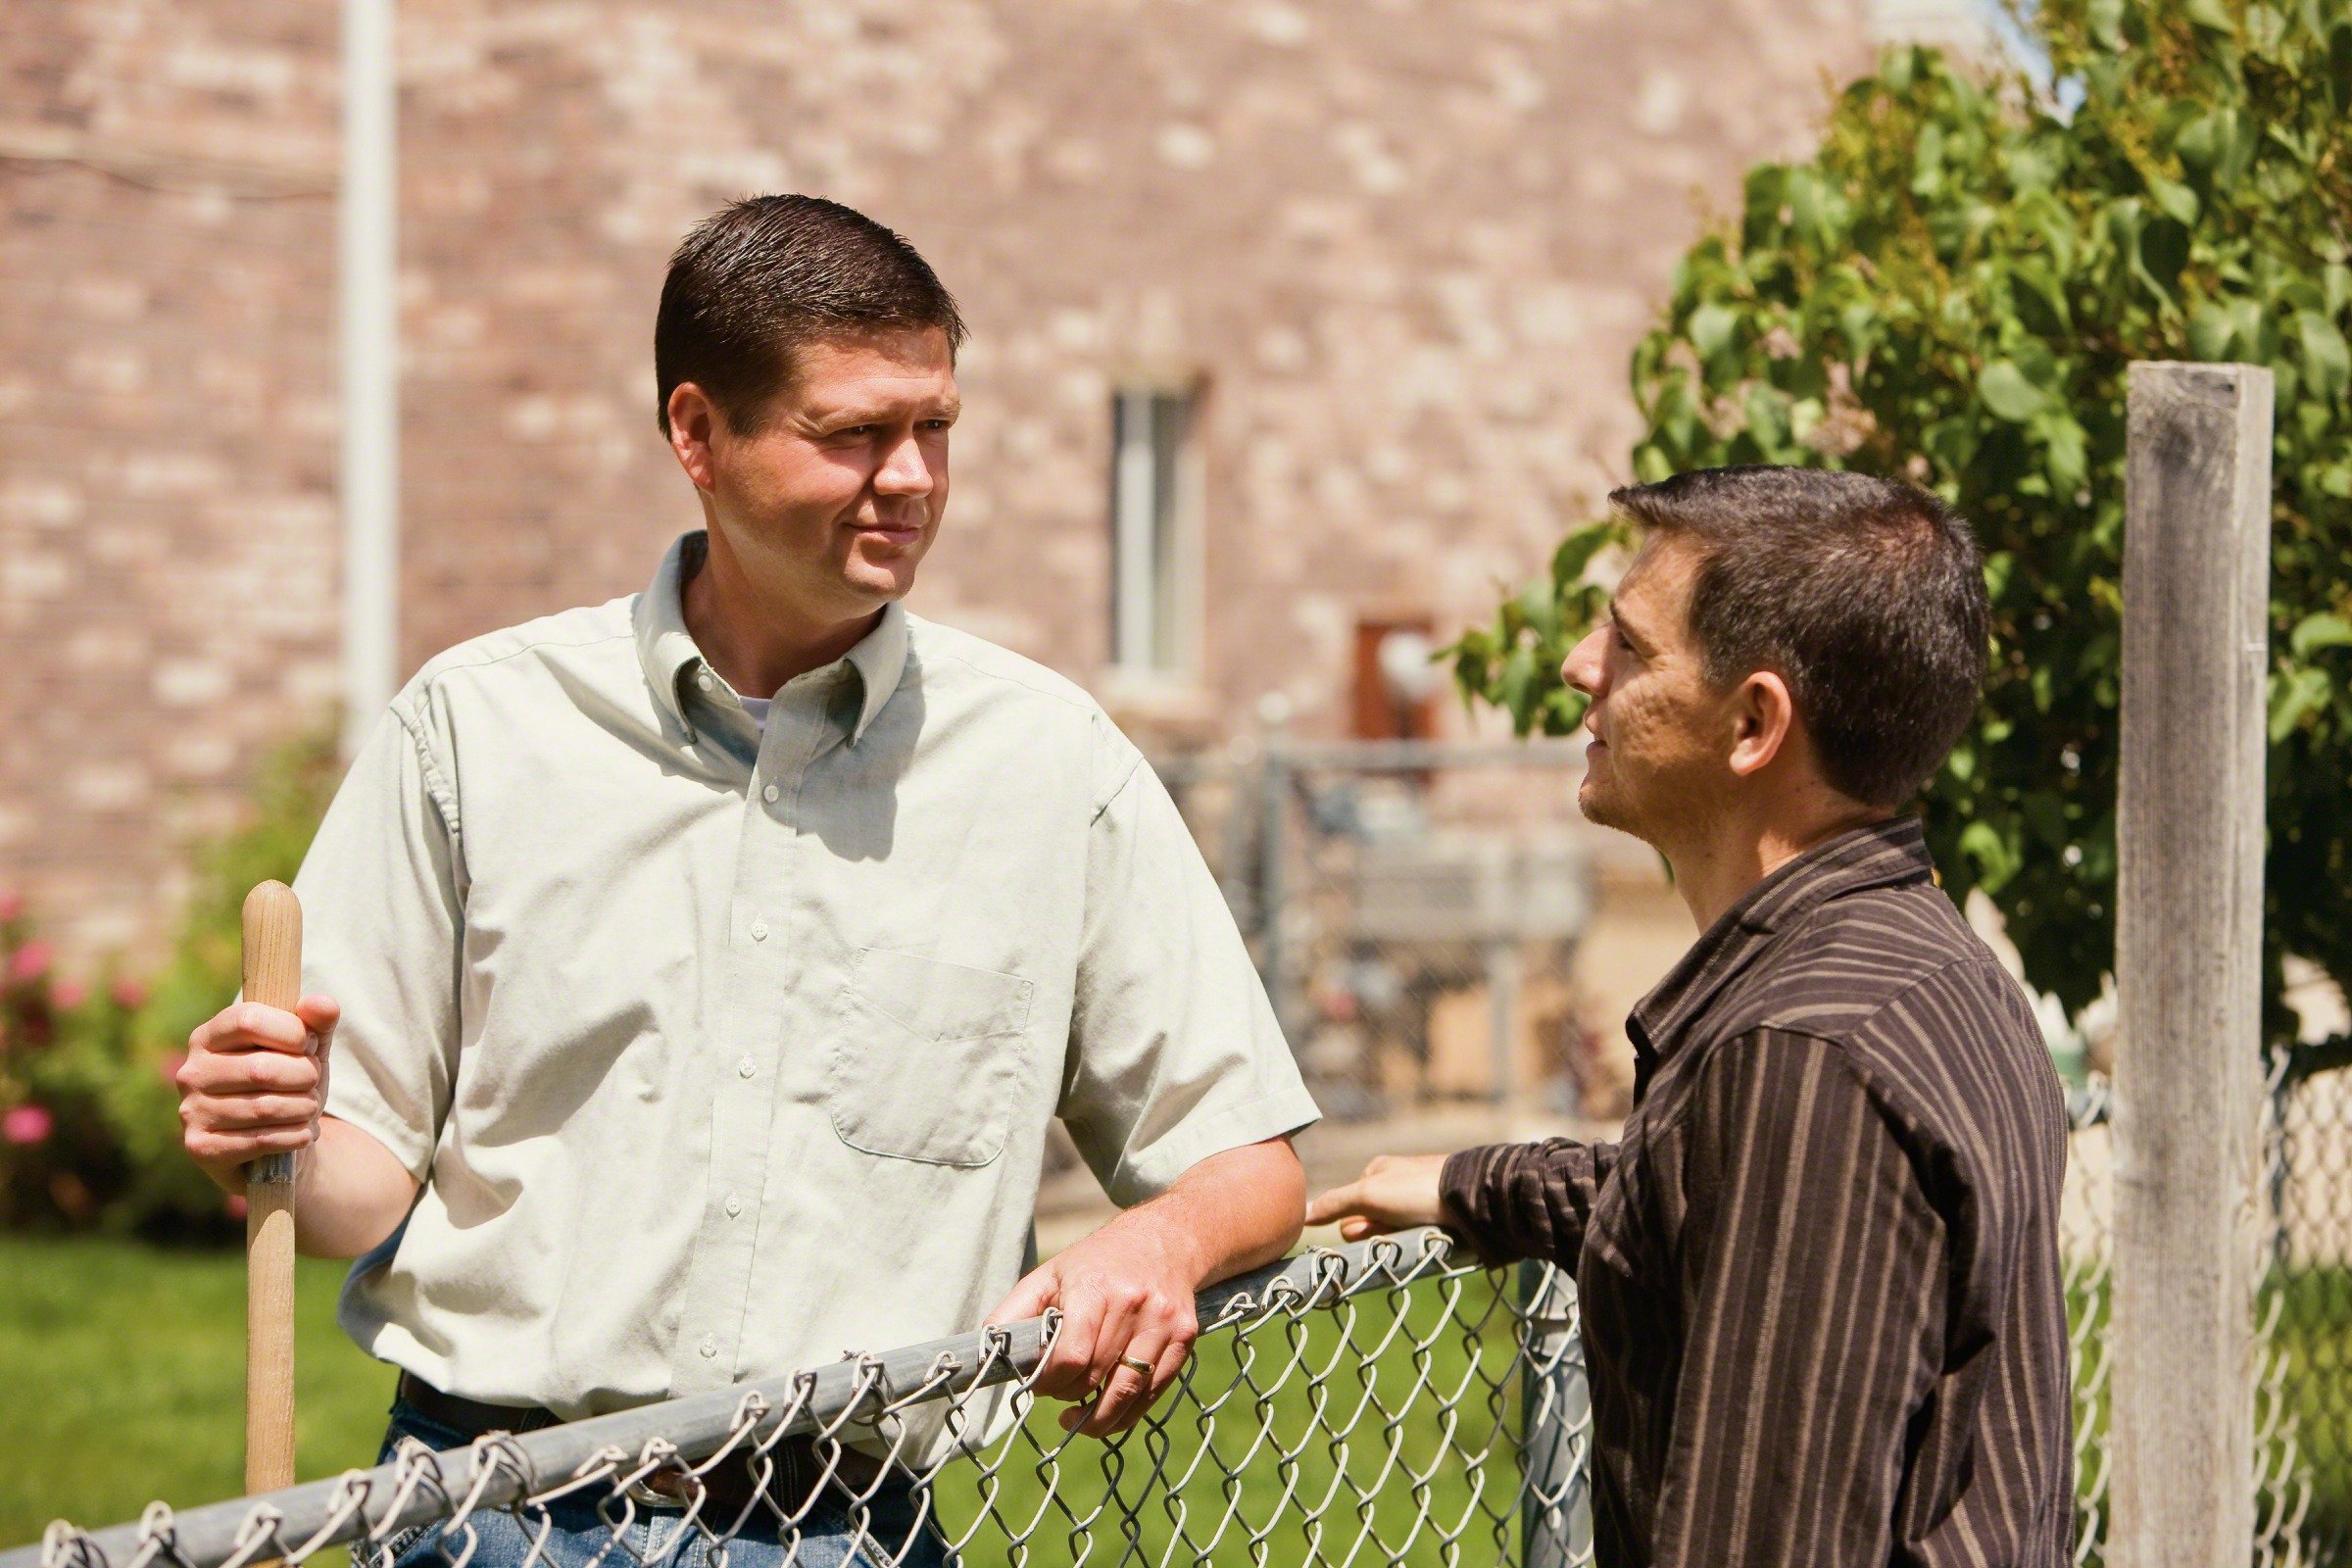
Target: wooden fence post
<point>2188,955</point>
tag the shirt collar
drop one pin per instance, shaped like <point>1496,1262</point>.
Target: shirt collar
<point>880,659</point>
<point>1887,853</point>
<point>667,649</point>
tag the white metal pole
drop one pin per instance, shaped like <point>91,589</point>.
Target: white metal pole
<point>367,238</point>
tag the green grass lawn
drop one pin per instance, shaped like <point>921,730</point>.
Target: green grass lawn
<point>124,1371</point>
<point>123,1367</point>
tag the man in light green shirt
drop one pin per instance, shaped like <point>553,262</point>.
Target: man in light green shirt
<point>704,968</point>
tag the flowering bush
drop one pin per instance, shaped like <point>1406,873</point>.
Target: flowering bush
<point>69,1072</point>
<point>89,1114</point>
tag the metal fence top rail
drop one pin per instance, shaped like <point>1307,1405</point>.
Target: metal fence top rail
<point>502,1469</point>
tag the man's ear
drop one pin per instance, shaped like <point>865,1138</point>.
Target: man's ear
<point>694,421</point>
<point>1763,715</point>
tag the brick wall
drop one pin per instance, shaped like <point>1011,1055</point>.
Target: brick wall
<point>167,540</point>
<point>1408,245</point>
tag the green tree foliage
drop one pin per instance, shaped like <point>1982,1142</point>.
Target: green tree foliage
<point>1949,290</point>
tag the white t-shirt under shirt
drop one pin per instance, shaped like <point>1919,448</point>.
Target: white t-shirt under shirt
<point>756,707</point>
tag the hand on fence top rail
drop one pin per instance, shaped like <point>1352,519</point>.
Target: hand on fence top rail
<point>693,1434</point>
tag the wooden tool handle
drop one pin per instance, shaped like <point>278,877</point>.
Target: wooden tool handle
<point>272,976</point>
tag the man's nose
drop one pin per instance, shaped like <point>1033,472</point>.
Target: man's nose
<point>905,470</point>
<point>1582,668</point>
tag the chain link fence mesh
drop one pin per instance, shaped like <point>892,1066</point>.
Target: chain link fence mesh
<point>1381,1403</point>
<point>2085,1246</point>
<point>2303,1408</point>
<point>2302,1384</point>
<point>1384,1402</point>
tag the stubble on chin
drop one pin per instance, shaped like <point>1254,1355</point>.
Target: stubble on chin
<point>1602,807</point>
<point>1595,804</point>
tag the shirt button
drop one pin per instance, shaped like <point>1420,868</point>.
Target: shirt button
<point>747,1066</point>
<point>758,930</point>
<point>770,793</point>
<point>734,1205</point>
<point>704,680</point>
<point>710,1345</point>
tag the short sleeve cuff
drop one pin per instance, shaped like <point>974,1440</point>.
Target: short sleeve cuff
<point>1148,1174</point>
<point>412,1151</point>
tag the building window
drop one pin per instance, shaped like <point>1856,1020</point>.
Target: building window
<point>1396,679</point>
<point>1153,529</point>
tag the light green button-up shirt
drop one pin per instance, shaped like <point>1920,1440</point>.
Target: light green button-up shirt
<point>722,1051</point>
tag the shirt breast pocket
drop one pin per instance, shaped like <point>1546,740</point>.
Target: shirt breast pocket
<point>927,1058</point>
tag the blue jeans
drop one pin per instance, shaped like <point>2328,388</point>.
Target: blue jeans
<point>826,1537</point>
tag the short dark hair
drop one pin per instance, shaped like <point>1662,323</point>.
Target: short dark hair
<point>759,278</point>
<point>1865,594</point>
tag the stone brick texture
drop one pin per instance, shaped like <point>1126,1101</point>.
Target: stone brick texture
<point>1404,245</point>
<point>168,522</point>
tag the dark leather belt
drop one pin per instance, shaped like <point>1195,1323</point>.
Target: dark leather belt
<point>729,1486</point>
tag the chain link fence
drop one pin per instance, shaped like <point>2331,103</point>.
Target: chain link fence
<point>1412,904</point>
<point>2302,1375</point>
<point>1387,1403</point>
<point>1384,1402</point>
<point>2304,1408</point>
<point>2085,1241</point>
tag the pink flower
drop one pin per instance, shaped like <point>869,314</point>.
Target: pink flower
<point>12,903</point>
<point>30,961</point>
<point>66,995</point>
<point>26,1125</point>
<point>130,995</point>
<point>170,1067</point>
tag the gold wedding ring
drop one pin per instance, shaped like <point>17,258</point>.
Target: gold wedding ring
<point>1137,1363</point>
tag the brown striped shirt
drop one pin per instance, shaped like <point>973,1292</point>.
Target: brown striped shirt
<point>1824,1317</point>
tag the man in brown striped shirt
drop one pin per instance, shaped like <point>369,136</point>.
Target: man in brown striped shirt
<point>1824,1317</point>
